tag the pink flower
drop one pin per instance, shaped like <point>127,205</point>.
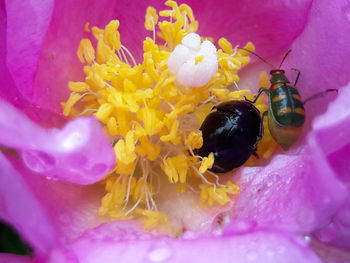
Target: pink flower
<point>295,209</point>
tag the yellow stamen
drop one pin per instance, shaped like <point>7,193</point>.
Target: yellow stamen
<point>151,120</point>
<point>194,140</point>
<point>207,163</point>
<point>111,35</point>
<point>176,168</point>
<point>151,18</point>
<point>86,52</point>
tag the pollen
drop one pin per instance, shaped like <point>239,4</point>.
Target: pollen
<point>152,109</point>
<point>207,163</point>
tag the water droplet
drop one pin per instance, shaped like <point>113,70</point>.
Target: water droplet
<point>38,161</point>
<point>159,254</point>
<point>307,238</point>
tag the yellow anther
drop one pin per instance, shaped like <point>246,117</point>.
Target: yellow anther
<point>225,45</point>
<point>211,194</point>
<point>147,149</point>
<point>105,53</point>
<point>125,149</point>
<point>129,86</point>
<point>78,86</point>
<point>179,111</point>
<point>187,10</point>
<point>206,163</point>
<point>150,67</point>
<point>73,98</point>
<point>97,32</point>
<point>175,168</point>
<point>249,46</point>
<point>112,126</point>
<point>239,95</point>
<point>151,18</point>
<point>153,218</point>
<point>86,52</point>
<point>194,140</point>
<point>111,35</point>
<point>104,112</point>
<point>150,119</point>
<point>172,136</point>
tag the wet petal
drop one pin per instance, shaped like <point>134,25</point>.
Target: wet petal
<point>21,209</point>
<point>78,153</point>
<point>110,242</point>
<point>336,121</point>
<point>295,192</point>
<point>72,209</point>
<point>298,191</point>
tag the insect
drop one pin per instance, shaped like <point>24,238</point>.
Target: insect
<point>232,133</point>
<point>286,113</point>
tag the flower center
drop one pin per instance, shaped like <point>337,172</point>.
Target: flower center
<point>152,111</point>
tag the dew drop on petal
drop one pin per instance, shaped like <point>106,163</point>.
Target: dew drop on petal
<point>38,161</point>
<point>159,254</point>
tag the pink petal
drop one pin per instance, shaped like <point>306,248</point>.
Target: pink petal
<point>71,208</point>
<point>330,254</point>
<point>294,192</point>
<point>332,130</point>
<point>27,23</point>
<point>271,27</point>
<point>58,62</point>
<point>300,190</point>
<point>321,52</point>
<point>111,242</point>
<point>78,153</point>
<point>21,209</point>
<point>11,258</point>
<point>59,57</point>
<point>8,90</point>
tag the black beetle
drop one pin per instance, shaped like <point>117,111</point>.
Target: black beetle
<point>232,133</point>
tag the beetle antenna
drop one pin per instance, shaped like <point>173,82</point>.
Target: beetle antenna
<point>284,58</point>
<point>253,53</point>
<point>319,94</point>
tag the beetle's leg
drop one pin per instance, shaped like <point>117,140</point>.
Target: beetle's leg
<point>261,90</point>
<point>298,75</point>
<point>319,94</point>
<point>265,113</point>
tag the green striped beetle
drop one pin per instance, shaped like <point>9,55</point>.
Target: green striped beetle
<point>286,113</point>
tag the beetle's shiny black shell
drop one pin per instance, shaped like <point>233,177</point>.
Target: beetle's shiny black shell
<point>232,133</point>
